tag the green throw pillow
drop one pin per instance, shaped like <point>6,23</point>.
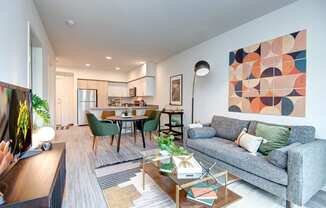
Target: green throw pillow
<point>276,136</point>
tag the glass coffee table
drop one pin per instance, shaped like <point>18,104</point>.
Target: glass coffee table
<point>177,188</point>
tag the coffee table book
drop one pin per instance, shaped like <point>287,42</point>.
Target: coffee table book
<point>208,202</point>
<point>204,191</point>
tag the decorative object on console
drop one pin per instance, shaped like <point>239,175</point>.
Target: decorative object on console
<point>201,69</point>
<point>6,157</point>
<point>176,88</point>
<point>269,77</point>
<point>42,133</point>
<point>41,114</point>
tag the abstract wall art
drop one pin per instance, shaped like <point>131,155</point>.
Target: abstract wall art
<point>270,77</point>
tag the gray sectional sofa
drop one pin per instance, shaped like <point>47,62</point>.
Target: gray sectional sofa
<point>304,175</point>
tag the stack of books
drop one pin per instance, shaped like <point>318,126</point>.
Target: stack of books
<point>166,167</point>
<point>203,193</point>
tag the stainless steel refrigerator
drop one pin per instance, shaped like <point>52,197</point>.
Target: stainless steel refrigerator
<point>86,99</point>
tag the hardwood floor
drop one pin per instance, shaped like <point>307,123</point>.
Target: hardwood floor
<point>82,189</point>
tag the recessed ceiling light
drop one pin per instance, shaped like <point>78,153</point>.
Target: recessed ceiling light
<point>108,57</point>
<point>70,22</point>
<point>87,65</point>
<point>117,68</point>
<point>142,62</point>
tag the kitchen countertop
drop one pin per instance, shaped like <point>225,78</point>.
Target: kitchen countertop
<point>122,107</point>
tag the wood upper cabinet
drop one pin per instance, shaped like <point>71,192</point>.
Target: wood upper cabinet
<point>92,84</point>
<point>102,94</point>
<point>100,86</point>
<point>82,84</point>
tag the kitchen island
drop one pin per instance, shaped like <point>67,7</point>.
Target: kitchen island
<point>140,110</point>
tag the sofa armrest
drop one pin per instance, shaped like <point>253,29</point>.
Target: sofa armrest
<point>306,171</point>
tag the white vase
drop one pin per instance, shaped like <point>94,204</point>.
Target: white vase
<point>37,120</point>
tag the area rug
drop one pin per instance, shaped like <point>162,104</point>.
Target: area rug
<point>125,185</point>
<point>124,189</point>
<point>129,151</point>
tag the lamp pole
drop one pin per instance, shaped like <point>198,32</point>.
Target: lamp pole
<point>193,98</point>
<point>201,69</point>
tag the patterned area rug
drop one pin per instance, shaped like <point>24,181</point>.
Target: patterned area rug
<point>122,188</point>
<point>129,151</point>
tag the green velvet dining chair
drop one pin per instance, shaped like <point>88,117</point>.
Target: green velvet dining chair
<point>150,124</point>
<point>101,129</point>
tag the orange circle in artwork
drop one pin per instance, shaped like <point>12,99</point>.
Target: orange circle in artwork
<point>256,69</point>
<point>288,64</point>
<point>256,105</point>
<point>300,82</point>
<point>251,57</point>
<point>301,91</point>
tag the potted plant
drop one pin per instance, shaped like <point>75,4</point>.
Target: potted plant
<point>41,112</point>
<point>169,149</point>
<point>167,145</point>
<point>41,121</point>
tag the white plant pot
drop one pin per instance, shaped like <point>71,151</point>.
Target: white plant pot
<point>37,120</point>
<point>164,153</point>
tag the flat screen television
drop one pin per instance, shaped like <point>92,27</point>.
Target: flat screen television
<point>16,117</point>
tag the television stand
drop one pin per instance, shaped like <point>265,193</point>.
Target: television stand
<point>37,181</point>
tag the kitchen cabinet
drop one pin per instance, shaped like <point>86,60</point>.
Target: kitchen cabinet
<point>100,86</point>
<point>102,93</point>
<point>92,84</point>
<point>118,89</point>
<point>144,86</point>
<point>82,84</point>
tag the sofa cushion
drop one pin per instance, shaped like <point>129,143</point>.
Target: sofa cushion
<point>205,132</point>
<point>228,152</point>
<point>279,157</point>
<point>275,136</point>
<point>300,134</point>
<point>228,128</point>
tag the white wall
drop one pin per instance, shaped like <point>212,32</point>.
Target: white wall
<point>14,15</point>
<point>212,91</point>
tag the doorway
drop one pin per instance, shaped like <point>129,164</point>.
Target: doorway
<point>36,65</point>
<point>64,99</point>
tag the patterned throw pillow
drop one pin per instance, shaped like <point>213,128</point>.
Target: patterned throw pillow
<point>249,142</point>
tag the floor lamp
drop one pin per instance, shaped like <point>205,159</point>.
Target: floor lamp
<point>201,69</point>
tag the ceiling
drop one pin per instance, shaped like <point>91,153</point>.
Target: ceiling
<point>131,31</point>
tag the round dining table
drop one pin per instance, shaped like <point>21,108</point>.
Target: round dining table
<point>121,119</point>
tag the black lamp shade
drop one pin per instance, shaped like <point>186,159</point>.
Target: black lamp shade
<point>202,68</point>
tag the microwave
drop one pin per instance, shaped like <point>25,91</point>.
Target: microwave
<point>132,92</point>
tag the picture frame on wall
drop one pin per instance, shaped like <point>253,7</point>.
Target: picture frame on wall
<point>176,90</point>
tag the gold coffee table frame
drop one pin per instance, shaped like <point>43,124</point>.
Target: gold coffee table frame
<point>181,184</point>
